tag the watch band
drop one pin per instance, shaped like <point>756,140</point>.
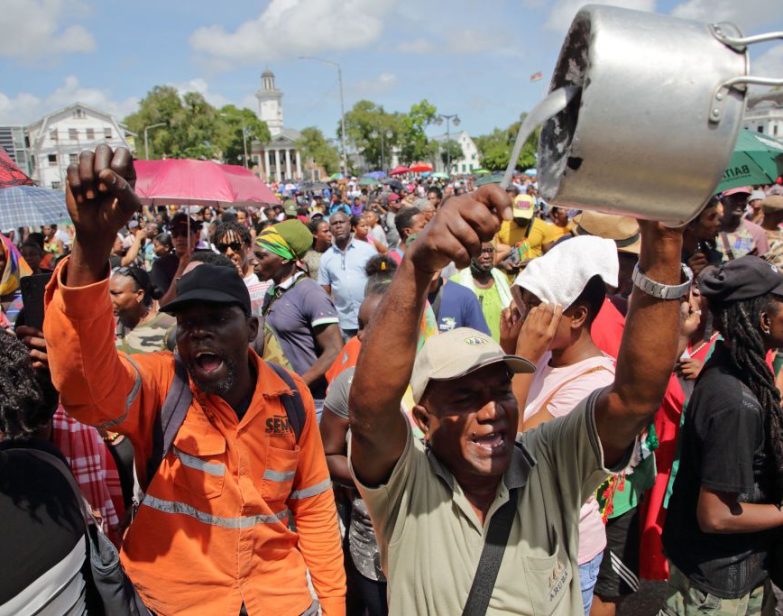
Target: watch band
<point>659,290</point>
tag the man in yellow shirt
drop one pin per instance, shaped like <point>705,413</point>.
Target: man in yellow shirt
<point>523,238</point>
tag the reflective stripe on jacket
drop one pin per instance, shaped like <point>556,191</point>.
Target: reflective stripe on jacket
<point>213,531</point>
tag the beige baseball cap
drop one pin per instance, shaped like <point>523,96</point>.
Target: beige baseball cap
<point>456,353</point>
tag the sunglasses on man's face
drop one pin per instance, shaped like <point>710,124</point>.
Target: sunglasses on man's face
<point>235,246</point>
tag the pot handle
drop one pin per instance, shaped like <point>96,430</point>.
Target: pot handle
<point>739,43</point>
<point>720,93</point>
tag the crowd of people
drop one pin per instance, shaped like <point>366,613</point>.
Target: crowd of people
<point>424,397</point>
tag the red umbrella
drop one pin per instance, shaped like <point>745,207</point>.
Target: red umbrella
<point>399,170</point>
<point>199,182</point>
<point>420,167</point>
<point>10,174</point>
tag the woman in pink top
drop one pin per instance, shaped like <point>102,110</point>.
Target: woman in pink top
<point>549,324</point>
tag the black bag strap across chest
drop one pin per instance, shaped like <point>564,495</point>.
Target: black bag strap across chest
<point>491,557</point>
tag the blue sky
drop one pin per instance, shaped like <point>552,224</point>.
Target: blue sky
<point>470,57</point>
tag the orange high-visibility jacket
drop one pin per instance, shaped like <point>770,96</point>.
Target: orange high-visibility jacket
<point>212,531</point>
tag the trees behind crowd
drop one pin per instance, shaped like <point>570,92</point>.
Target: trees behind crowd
<point>193,128</point>
<point>495,148</point>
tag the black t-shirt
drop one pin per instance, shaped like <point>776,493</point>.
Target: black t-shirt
<point>163,270</point>
<point>722,449</point>
<point>41,518</point>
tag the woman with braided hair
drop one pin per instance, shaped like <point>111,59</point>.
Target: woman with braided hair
<point>724,513</point>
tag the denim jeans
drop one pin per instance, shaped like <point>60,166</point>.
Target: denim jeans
<point>588,575</point>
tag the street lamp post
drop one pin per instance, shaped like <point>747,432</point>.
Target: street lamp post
<point>388,135</point>
<point>449,118</point>
<point>342,107</point>
<point>146,138</point>
<point>244,141</point>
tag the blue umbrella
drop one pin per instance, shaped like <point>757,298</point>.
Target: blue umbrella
<point>31,206</point>
<point>376,175</point>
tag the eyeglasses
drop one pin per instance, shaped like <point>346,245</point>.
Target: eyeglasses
<point>235,246</point>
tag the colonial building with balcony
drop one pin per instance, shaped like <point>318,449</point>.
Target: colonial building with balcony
<point>57,139</point>
<point>463,164</point>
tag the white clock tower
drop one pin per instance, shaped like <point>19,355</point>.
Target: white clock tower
<point>270,103</point>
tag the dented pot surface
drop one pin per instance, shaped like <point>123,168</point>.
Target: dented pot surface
<point>641,139</point>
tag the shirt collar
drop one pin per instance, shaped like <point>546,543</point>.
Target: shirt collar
<point>347,247</point>
<point>289,282</point>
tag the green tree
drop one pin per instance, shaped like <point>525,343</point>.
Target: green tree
<point>364,125</point>
<point>495,148</point>
<point>414,142</point>
<point>450,151</point>
<point>231,124</point>
<point>192,127</point>
<point>313,145</point>
<point>161,105</point>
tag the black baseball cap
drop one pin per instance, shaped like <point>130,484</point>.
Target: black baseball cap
<point>741,279</point>
<point>215,284</point>
<point>181,219</point>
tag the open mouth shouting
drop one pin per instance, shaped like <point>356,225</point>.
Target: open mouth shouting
<point>207,366</point>
<point>491,443</point>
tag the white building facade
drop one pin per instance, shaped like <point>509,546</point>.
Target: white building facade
<point>469,160</point>
<point>764,114</point>
<point>279,160</point>
<point>57,139</point>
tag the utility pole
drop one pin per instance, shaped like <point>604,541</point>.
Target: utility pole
<point>344,155</point>
<point>146,138</point>
<point>449,118</point>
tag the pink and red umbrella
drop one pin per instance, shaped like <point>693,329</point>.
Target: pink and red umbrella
<point>10,174</point>
<point>199,182</point>
<point>400,170</point>
<point>420,167</point>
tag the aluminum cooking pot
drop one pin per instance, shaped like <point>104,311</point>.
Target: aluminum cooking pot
<point>654,124</point>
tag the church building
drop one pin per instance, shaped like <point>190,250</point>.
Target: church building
<point>278,160</point>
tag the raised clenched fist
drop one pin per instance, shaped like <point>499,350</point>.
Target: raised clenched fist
<point>100,197</point>
<point>459,227</point>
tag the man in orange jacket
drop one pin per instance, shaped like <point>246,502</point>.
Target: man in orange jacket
<point>211,535</point>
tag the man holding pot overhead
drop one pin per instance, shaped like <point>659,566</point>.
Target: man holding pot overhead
<point>476,518</point>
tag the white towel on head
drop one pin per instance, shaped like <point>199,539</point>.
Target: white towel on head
<point>560,276</point>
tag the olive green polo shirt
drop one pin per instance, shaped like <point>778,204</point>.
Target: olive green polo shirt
<point>431,539</point>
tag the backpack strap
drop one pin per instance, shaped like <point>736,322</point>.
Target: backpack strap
<point>170,419</point>
<point>491,556</point>
<point>294,407</point>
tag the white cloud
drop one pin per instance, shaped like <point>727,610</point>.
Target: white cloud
<point>464,40</point>
<point>768,64</point>
<point>201,86</point>
<point>373,87</point>
<point>748,14</point>
<point>563,11</point>
<point>33,29</point>
<point>25,108</point>
<point>419,45</point>
<point>470,40</point>
<point>288,28</point>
